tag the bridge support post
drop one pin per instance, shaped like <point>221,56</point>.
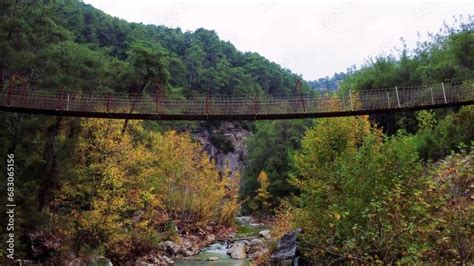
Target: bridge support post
<point>68,100</point>
<point>9,95</point>
<point>255,108</point>
<point>343,102</point>
<point>432,97</point>
<point>388,99</point>
<point>207,105</point>
<point>157,89</point>
<point>350,96</point>
<point>398,97</point>
<point>108,101</point>
<point>298,87</point>
<point>59,101</point>
<point>444,93</point>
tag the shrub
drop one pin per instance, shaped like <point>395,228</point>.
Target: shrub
<point>367,199</point>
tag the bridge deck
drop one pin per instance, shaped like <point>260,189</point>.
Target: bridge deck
<point>156,107</point>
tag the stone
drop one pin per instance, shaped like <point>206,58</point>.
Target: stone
<point>101,261</point>
<point>213,259</point>
<point>257,253</point>
<point>285,252</point>
<point>256,242</point>
<point>211,238</point>
<point>264,233</point>
<point>170,247</point>
<point>152,259</point>
<point>237,251</point>
<point>189,253</point>
<point>167,260</point>
<point>43,244</point>
<point>142,263</point>
<point>256,248</point>
<point>186,243</point>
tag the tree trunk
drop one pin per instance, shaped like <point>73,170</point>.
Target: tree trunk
<point>140,91</point>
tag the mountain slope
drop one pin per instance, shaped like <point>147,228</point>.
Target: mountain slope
<point>48,41</point>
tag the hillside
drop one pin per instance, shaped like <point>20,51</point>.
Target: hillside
<point>381,189</point>
<point>63,44</point>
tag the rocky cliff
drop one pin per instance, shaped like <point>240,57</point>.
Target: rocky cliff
<point>225,144</point>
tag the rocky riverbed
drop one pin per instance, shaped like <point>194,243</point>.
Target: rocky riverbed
<point>247,244</point>
<point>212,246</point>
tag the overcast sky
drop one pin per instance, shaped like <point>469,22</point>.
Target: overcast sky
<point>314,39</point>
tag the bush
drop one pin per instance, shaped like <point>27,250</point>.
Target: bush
<point>436,140</point>
<point>366,199</point>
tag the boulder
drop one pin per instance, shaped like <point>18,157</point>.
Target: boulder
<point>186,243</point>
<point>142,263</point>
<point>153,259</point>
<point>43,244</point>
<point>256,248</point>
<point>264,233</point>
<point>100,261</point>
<point>213,259</point>
<point>285,252</point>
<point>237,251</point>
<point>256,242</point>
<point>170,247</point>
<point>258,253</point>
<point>211,238</point>
<point>167,260</point>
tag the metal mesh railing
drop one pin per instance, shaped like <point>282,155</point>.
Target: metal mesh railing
<point>350,101</point>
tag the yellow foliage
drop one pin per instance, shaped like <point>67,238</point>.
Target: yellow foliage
<point>263,196</point>
<point>284,220</point>
<point>186,180</point>
<point>127,185</point>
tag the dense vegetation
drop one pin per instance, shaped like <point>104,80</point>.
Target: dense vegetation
<point>115,192</point>
<point>69,44</point>
<point>369,199</point>
<point>373,189</point>
<point>108,186</point>
<point>329,83</point>
<point>376,189</point>
<point>446,56</point>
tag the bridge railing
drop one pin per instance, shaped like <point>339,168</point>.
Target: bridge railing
<point>389,98</point>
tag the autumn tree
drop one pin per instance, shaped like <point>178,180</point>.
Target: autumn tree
<point>361,197</point>
<point>262,198</point>
<point>124,188</point>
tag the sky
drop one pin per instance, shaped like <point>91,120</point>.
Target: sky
<point>311,38</point>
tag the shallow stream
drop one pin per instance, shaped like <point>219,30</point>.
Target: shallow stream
<point>247,230</point>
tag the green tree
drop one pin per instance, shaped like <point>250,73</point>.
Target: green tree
<point>270,150</point>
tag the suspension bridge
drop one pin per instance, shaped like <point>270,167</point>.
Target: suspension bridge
<point>155,106</point>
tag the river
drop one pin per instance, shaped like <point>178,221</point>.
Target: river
<point>247,230</point>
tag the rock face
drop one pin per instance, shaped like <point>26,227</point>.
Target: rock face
<point>285,251</point>
<point>237,251</point>
<point>230,133</point>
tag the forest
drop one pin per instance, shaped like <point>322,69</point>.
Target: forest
<point>378,189</point>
